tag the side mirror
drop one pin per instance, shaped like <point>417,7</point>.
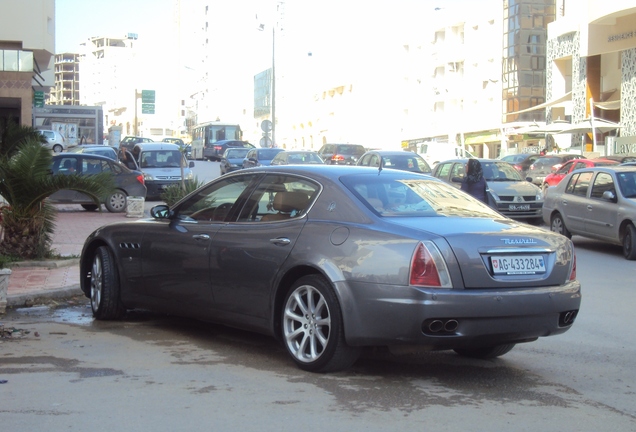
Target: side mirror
<point>160,211</point>
<point>609,196</point>
<point>529,179</point>
<point>457,179</point>
<point>191,164</point>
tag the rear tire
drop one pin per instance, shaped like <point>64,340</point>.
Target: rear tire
<point>116,203</point>
<point>629,243</point>
<point>105,295</point>
<point>90,207</point>
<point>557,225</point>
<point>57,148</point>
<point>485,352</point>
<point>312,327</point>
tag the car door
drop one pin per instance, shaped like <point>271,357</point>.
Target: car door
<point>176,254</point>
<point>248,252</point>
<point>67,165</point>
<point>601,217</point>
<point>573,203</point>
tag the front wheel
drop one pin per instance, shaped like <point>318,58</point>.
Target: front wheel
<point>90,207</point>
<point>105,301</point>
<point>486,352</point>
<point>313,330</point>
<point>116,203</point>
<point>629,243</point>
<point>57,148</point>
<point>557,225</point>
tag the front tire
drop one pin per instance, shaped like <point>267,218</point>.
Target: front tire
<point>116,203</point>
<point>557,225</point>
<point>629,243</point>
<point>312,326</point>
<point>486,352</point>
<point>57,148</point>
<point>105,300</point>
<point>90,207</point>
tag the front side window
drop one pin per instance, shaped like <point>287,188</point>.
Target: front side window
<point>603,182</point>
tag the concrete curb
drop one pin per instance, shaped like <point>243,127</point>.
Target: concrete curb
<point>29,299</point>
<point>47,264</point>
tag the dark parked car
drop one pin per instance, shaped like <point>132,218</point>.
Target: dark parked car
<point>521,161</point>
<point>597,202</point>
<point>341,154</point>
<point>402,160</point>
<point>260,157</point>
<point>620,158</point>
<point>515,197</point>
<point>545,165</point>
<point>214,152</point>
<point>297,157</point>
<point>101,150</point>
<point>233,159</point>
<point>129,142</point>
<point>127,182</point>
<point>331,259</point>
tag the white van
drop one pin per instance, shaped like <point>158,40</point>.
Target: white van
<point>435,152</point>
<point>161,164</point>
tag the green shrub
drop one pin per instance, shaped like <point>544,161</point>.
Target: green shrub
<point>174,193</point>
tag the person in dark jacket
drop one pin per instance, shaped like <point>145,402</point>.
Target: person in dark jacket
<point>474,182</point>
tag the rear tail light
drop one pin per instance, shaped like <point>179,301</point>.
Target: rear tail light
<point>518,167</point>
<point>428,267</point>
<point>140,178</point>
<point>337,158</point>
<point>573,272</point>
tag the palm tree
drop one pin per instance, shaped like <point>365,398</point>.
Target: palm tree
<point>27,218</point>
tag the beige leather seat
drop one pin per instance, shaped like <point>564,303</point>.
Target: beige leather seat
<point>285,203</point>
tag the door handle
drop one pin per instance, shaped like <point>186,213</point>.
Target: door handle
<point>281,241</point>
<point>590,207</point>
<point>201,237</point>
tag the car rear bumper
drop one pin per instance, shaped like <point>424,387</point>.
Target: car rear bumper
<point>396,315</point>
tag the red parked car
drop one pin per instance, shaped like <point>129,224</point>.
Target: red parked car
<point>556,176</point>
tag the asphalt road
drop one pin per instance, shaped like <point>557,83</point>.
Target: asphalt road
<point>64,372</point>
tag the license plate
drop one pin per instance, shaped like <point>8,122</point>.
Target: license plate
<point>519,207</point>
<point>517,264</point>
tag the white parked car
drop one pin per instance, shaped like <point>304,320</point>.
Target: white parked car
<point>596,202</point>
<point>55,141</point>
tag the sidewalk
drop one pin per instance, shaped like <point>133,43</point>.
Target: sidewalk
<point>33,282</point>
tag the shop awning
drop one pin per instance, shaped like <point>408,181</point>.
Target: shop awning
<point>561,101</point>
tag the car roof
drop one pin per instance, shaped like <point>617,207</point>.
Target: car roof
<point>333,172</point>
<point>394,153</point>
<point>157,146</point>
<point>82,155</point>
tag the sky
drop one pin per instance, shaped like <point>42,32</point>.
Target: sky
<point>77,20</point>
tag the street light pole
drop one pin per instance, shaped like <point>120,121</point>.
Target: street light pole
<point>273,85</point>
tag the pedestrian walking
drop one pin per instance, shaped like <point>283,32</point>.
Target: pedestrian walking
<point>474,182</point>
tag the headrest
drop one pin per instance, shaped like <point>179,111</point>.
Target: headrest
<point>287,202</point>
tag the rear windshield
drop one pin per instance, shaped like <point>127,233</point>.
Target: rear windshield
<point>350,149</point>
<point>392,196</point>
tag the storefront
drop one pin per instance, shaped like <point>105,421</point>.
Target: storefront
<point>77,124</point>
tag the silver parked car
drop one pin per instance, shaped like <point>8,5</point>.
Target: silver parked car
<point>515,197</point>
<point>339,258</point>
<point>598,202</point>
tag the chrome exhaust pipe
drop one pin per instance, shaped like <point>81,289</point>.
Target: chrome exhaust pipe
<point>451,325</point>
<point>436,326</point>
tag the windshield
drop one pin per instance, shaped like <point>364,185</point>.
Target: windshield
<point>161,159</point>
<point>500,171</point>
<point>236,153</point>
<point>392,196</point>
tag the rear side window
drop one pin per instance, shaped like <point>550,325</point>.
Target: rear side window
<point>579,183</point>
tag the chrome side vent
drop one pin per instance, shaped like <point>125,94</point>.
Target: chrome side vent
<point>129,245</point>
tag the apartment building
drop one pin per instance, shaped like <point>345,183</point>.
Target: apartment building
<point>27,46</point>
<point>66,90</point>
<point>591,60</point>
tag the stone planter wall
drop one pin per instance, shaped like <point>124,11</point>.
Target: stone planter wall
<point>4,285</point>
